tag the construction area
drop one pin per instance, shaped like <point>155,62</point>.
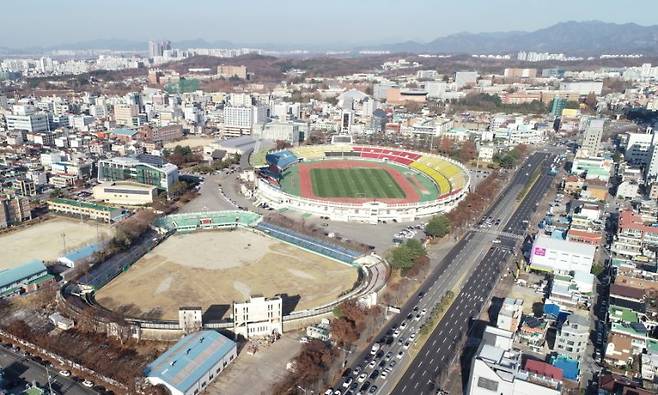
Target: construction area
<point>49,240</point>
<point>211,269</point>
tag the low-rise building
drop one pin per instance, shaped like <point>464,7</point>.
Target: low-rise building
<point>78,208</point>
<point>190,365</point>
<point>125,193</point>
<point>27,277</point>
<point>498,371</point>
<point>561,256</point>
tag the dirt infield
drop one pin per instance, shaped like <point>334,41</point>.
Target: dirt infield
<point>44,240</point>
<point>218,267</point>
<point>306,184</point>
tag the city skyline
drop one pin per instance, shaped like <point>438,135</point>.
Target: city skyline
<point>293,22</point>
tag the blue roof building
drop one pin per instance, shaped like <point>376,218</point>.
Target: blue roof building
<point>192,363</point>
<point>79,255</point>
<point>569,367</point>
<point>12,280</point>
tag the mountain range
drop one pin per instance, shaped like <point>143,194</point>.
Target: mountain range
<point>571,38</point>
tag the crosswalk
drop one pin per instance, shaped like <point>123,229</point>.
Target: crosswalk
<point>498,233</point>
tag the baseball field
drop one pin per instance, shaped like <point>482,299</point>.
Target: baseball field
<point>215,268</point>
<point>47,240</point>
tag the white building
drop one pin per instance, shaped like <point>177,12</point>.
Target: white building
<point>284,131</point>
<point>639,148</point>
<point>463,78</point>
<point>240,120</point>
<point>36,122</point>
<point>571,338</point>
<point>259,316</point>
<point>125,193</point>
<point>561,256</point>
<point>582,87</point>
<point>592,136</point>
<point>509,317</point>
<point>498,370</point>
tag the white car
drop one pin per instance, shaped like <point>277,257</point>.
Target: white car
<point>64,373</point>
<point>347,382</point>
<point>362,377</point>
<point>423,311</point>
<point>372,364</point>
<point>403,324</point>
<point>88,384</point>
<point>400,354</point>
<point>396,333</point>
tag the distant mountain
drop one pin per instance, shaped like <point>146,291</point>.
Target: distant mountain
<point>573,38</point>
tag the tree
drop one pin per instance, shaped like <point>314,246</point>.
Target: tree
<point>445,146</point>
<point>438,226</point>
<point>56,193</point>
<point>179,188</point>
<point>406,255</point>
<point>467,151</point>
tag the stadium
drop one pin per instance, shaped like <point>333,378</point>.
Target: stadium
<point>355,183</point>
<point>211,259</point>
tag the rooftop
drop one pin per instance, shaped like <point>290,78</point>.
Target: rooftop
<point>78,203</point>
<point>182,365</point>
<point>13,275</point>
<point>626,291</point>
<point>124,132</point>
<point>564,246</point>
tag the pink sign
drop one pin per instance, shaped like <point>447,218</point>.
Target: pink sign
<point>540,251</point>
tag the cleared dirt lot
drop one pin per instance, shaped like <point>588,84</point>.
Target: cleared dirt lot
<point>192,142</point>
<point>44,240</point>
<point>216,268</point>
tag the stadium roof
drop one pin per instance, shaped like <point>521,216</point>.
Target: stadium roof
<point>183,365</point>
<point>16,274</point>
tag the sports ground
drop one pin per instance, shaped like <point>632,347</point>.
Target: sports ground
<point>46,240</point>
<point>354,181</point>
<point>218,267</point>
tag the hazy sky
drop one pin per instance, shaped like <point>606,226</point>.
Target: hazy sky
<point>49,22</point>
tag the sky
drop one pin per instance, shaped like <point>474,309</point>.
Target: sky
<point>27,23</point>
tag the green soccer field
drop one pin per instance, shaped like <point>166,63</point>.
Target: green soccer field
<point>358,182</point>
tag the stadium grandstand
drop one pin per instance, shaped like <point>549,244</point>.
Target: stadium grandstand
<point>338,253</point>
<point>281,159</point>
<point>206,220</point>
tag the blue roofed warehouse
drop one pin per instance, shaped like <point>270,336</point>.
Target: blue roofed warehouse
<point>189,366</point>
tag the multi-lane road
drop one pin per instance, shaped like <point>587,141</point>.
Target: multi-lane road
<point>438,352</point>
<point>476,253</point>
